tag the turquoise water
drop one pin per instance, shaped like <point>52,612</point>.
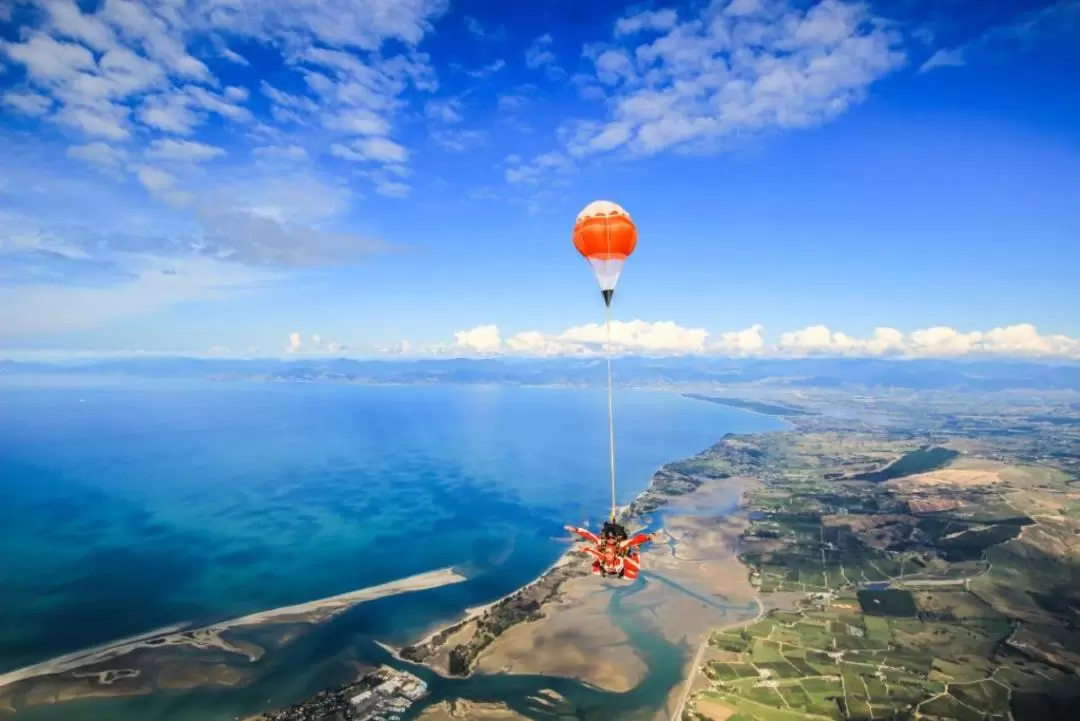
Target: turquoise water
<point>127,506</point>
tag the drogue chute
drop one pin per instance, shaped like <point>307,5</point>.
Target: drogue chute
<point>605,235</point>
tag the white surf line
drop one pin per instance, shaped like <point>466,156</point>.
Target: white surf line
<point>333,604</point>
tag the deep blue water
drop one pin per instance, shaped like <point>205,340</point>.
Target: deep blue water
<point>126,506</point>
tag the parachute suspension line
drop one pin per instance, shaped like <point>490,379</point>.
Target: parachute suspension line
<point>610,412</point>
<point>610,394</point>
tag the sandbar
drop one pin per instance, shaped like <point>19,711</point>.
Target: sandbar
<point>209,637</point>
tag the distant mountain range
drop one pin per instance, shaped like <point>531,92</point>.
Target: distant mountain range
<point>981,375</point>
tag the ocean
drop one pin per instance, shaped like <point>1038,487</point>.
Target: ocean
<point>127,505</point>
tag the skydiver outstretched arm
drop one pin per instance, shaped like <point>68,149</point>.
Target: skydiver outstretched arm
<point>636,540</point>
<point>591,550</point>
<point>587,535</point>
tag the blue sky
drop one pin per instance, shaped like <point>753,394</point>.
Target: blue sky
<point>269,177</point>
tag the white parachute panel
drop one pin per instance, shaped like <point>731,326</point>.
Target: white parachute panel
<point>607,271</point>
<point>601,209</point>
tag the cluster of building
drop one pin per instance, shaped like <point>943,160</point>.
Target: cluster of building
<point>395,693</point>
<point>382,695</point>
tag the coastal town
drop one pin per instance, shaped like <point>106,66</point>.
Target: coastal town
<point>382,695</point>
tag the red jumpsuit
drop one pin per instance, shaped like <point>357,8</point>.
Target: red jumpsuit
<point>612,556</point>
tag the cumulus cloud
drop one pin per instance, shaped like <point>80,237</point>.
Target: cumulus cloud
<point>692,83</point>
<point>742,342</point>
<point>667,338</point>
<point>317,346</point>
<point>481,339</point>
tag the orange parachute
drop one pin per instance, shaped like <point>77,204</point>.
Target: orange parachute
<point>606,236</point>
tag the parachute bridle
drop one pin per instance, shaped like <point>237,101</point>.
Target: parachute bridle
<point>606,236</point>
<point>610,405</point>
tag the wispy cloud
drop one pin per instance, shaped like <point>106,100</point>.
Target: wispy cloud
<point>540,55</point>
<point>484,31</point>
<point>1060,19</point>
<point>149,284</point>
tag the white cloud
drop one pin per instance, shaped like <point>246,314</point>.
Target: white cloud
<point>483,32</point>
<point>695,84</point>
<point>183,150</point>
<point>660,20</point>
<point>539,54</point>
<point>361,24</point>
<point>236,93</point>
<point>1029,30</point>
<point>742,342</point>
<point>154,179</point>
<point>666,338</point>
<point>287,107</point>
<point>532,172</point>
<point>447,111</point>
<point>357,121</point>
<point>392,189</point>
<point>379,150</point>
<point>118,65</point>
<point>169,113</point>
<point>488,70</point>
<point>943,59</point>
<point>100,154</point>
<point>50,61</point>
<point>1022,340</point>
<point>481,339</point>
<point>149,284</point>
<point>233,56</point>
<point>485,193</point>
<point>105,120</point>
<point>458,140</point>
<point>287,153</point>
<point>31,104</point>
<point>296,345</point>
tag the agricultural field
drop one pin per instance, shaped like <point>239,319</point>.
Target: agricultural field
<point>933,582</point>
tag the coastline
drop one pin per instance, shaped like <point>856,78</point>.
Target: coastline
<point>435,651</point>
<point>474,612</point>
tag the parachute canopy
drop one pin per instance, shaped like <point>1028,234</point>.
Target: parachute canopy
<point>606,236</point>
